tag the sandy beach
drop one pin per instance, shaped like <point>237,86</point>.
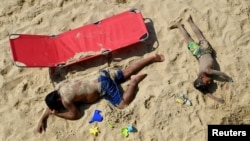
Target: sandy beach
<point>154,113</point>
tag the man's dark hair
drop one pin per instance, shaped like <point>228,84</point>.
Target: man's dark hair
<point>199,85</point>
<point>53,101</point>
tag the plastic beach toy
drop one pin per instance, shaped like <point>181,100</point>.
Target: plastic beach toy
<point>183,100</point>
<point>94,130</point>
<point>96,116</point>
<point>124,132</point>
<point>130,128</point>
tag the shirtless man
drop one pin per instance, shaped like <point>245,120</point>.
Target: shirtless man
<point>106,86</point>
<point>203,53</point>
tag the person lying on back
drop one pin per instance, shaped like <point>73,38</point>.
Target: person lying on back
<point>203,53</point>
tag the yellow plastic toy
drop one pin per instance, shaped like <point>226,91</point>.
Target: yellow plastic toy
<point>94,130</point>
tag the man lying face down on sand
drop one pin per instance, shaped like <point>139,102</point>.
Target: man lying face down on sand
<point>106,86</point>
<point>203,52</point>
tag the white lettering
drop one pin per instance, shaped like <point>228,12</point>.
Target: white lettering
<point>243,133</point>
<point>221,133</point>
<point>216,132</point>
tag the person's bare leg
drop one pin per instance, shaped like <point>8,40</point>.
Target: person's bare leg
<point>130,92</point>
<point>137,66</point>
<point>183,31</point>
<point>196,30</point>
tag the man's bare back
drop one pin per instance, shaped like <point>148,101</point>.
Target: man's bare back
<point>79,90</point>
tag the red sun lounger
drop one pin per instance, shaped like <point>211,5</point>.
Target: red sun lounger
<point>80,44</point>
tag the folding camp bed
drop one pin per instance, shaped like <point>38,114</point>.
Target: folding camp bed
<point>80,44</point>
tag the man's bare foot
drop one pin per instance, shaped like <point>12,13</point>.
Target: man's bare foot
<point>176,23</point>
<point>135,79</point>
<point>159,58</point>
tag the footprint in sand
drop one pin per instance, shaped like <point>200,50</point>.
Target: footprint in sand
<point>148,102</point>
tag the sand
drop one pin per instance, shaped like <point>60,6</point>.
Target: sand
<point>154,113</point>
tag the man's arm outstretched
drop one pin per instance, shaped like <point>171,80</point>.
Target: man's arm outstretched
<point>72,113</point>
<point>42,124</point>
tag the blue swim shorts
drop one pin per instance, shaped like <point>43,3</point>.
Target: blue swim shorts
<point>110,86</point>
